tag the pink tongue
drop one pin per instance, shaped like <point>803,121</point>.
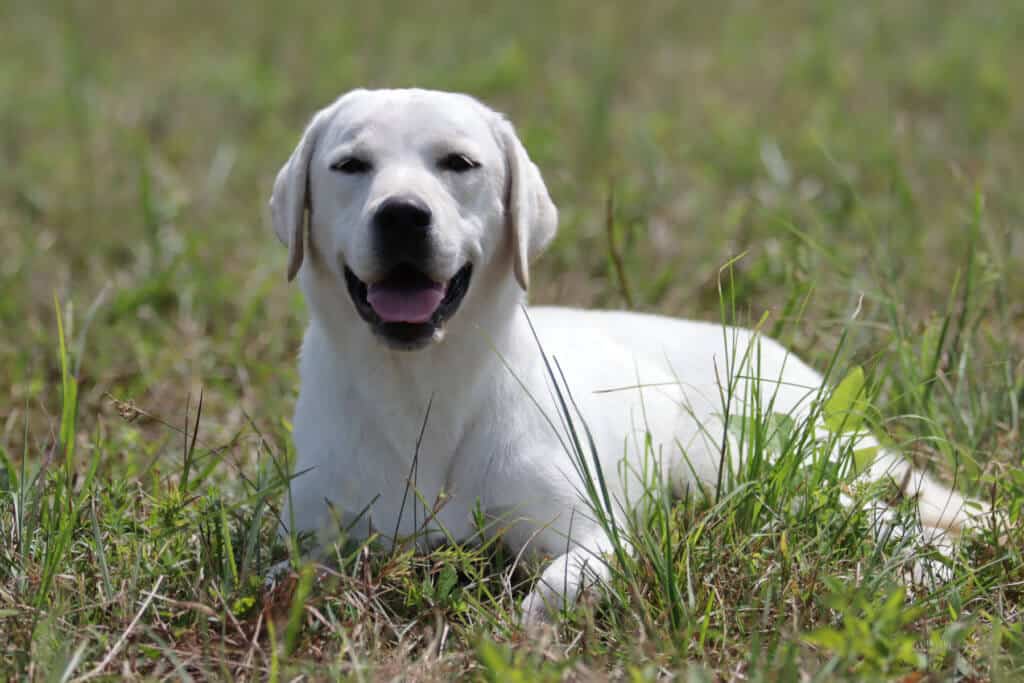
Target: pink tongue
<point>395,305</point>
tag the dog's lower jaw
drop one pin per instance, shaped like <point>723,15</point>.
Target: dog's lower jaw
<point>410,340</point>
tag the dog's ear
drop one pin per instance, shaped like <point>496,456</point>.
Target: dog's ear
<point>289,202</point>
<point>530,214</point>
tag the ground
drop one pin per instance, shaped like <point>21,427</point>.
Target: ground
<point>858,166</point>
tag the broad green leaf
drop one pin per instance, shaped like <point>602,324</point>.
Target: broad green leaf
<point>845,408</point>
<point>828,638</point>
<point>863,458</point>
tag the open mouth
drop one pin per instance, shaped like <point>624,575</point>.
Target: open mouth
<point>406,307</point>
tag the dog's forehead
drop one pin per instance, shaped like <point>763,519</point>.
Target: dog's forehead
<point>409,117</point>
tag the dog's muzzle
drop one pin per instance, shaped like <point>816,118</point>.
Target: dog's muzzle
<point>406,307</point>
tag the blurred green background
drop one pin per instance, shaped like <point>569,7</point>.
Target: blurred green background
<point>841,147</point>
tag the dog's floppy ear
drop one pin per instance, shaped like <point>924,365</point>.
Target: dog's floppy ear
<point>289,202</point>
<point>530,214</point>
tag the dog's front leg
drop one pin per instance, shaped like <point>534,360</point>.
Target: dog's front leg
<point>566,578</point>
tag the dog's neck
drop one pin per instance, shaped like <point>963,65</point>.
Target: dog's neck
<point>485,327</point>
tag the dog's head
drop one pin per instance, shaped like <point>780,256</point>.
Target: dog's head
<point>410,198</point>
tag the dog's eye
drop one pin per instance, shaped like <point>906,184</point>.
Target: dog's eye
<point>459,163</point>
<point>352,165</point>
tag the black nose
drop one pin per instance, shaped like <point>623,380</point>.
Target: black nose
<point>403,214</point>
<point>402,230</point>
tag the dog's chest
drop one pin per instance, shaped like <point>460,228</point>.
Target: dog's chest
<point>393,465</point>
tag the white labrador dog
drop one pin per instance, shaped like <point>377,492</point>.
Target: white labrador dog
<point>411,218</point>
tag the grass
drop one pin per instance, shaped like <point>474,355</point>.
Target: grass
<point>858,166</point>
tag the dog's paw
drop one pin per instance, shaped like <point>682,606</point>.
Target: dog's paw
<point>539,609</point>
<point>928,561</point>
<point>927,572</point>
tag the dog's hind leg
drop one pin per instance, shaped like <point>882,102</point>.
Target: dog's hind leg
<point>939,507</point>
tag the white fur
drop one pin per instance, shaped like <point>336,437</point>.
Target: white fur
<point>494,437</point>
